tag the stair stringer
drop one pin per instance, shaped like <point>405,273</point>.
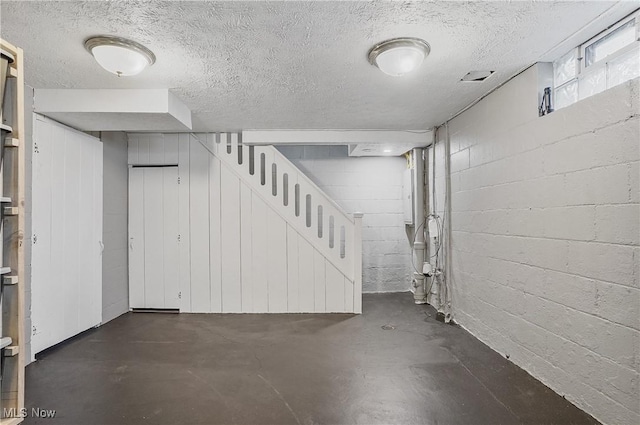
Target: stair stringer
<point>336,245</point>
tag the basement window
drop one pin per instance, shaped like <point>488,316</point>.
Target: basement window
<point>608,59</point>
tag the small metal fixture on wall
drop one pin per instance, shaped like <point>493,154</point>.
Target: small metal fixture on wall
<point>545,107</point>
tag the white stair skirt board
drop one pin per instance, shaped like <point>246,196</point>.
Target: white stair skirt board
<point>67,233</point>
<point>153,238</point>
<point>256,235</point>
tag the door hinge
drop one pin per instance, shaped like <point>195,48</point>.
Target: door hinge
<point>178,180</point>
<point>35,239</point>
<point>179,295</point>
<point>35,147</point>
<point>179,238</point>
<point>34,330</point>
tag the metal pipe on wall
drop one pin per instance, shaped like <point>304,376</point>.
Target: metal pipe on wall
<point>447,230</point>
<point>419,246</point>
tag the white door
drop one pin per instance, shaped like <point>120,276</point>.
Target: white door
<point>153,237</point>
<point>66,265</point>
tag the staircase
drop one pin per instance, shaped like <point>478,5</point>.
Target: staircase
<point>257,235</point>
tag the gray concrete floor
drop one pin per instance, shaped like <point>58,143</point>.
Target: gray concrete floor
<point>288,369</point>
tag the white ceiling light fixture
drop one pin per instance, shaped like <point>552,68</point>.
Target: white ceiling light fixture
<point>120,56</point>
<point>399,56</point>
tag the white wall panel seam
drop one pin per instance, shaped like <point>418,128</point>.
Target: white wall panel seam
<point>286,256</point>
<point>240,237</point>
<point>210,224</point>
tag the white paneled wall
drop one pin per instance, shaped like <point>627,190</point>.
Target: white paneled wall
<point>115,287</point>
<point>545,237</point>
<point>153,149</point>
<point>205,284</point>
<point>256,235</point>
<point>153,237</point>
<point>67,233</point>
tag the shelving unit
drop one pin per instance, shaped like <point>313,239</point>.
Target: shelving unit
<point>12,177</point>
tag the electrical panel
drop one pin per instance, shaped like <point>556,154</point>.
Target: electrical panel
<point>407,196</point>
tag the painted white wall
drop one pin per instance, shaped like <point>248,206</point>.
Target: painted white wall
<point>154,237</point>
<point>372,186</point>
<point>242,250</point>
<point>115,292</point>
<point>67,233</point>
<point>545,225</point>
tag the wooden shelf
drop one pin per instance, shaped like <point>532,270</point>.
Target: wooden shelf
<point>5,341</point>
<point>11,142</point>
<point>10,280</point>
<point>10,421</point>
<point>11,351</point>
<point>13,231</point>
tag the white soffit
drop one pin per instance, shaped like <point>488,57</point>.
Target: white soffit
<point>389,149</point>
<point>336,137</point>
<point>114,110</point>
<point>360,142</point>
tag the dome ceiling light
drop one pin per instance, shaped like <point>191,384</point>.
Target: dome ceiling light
<point>120,56</point>
<point>399,56</point>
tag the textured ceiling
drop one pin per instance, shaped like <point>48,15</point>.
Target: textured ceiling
<point>291,65</point>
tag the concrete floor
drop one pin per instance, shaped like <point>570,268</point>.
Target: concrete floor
<point>288,369</point>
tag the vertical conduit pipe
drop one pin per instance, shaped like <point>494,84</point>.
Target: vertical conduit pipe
<point>427,210</point>
<point>448,272</point>
<point>419,296</point>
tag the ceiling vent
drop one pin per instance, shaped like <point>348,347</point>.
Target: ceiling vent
<point>477,76</point>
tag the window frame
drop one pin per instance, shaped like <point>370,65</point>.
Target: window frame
<point>583,71</point>
<point>582,67</point>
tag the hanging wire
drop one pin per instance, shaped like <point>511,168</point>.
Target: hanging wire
<point>413,243</point>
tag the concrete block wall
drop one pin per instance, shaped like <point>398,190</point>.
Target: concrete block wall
<point>545,238</point>
<point>372,185</point>
<point>115,269</point>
